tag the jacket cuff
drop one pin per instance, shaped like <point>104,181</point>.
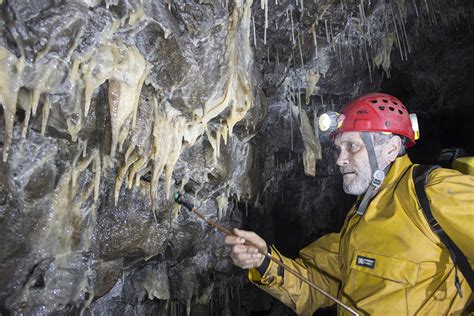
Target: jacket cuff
<point>255,274</point>
<point>268,273</point>
<point>266,262</point>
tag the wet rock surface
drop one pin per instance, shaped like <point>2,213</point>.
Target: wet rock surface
<point>109,107</point>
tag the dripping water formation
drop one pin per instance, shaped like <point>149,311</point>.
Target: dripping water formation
<point>110,106</point>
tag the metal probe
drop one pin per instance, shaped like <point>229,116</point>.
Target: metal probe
<point>180,200</point>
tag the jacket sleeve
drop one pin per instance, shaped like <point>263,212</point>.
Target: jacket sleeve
<point>318,262</point>
<point>451,196</point>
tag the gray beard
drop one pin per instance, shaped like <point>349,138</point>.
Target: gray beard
<point>359,185</point>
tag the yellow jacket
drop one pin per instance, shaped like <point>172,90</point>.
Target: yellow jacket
<point>387,262</point>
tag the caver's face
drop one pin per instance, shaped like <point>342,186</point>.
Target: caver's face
<point>353,162</point>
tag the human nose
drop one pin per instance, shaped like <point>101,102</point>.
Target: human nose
<point>342,158</point>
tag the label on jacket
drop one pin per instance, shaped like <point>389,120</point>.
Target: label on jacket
<point>365,262</point>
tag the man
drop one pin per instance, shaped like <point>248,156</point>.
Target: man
<point>386,260</point>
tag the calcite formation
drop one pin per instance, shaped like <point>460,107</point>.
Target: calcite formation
<point>109,106</point>
<point>104,139</point>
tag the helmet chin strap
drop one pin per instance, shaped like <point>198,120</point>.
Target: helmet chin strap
<point>377,174</point>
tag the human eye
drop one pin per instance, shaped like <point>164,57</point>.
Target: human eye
<point>352,147</point>
<point>336,150</point>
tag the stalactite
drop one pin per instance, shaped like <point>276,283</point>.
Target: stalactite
<point>222,205</point>
<point>301,52</point>
<point>339,49</point>
<point>137,166</point>
<point>293,41</point>
<point>45,113</point>
<point>383,55</point>
<point>364,22</point>
<point>333,40</point>
<point>24,102</point>
<point>84,148</point>
<point>433,12</point>
<point>254,35</point>
<point>125,85</point>
<point>428,11</point>
<point>291,127</point>
<point>328,35</point>
<point>312,79</point>
<point>97,174</point>
<point>312,146</point>
<point>44,78</point>
<point>404,32</point>
<point>298,97</point>
<point>399,44</point>
<point>11,69</point>
<point>367,58</point>
<point>160,149</point>
<point>121,176</point>
<point>265,4</point>
<point>415,6</point>
<point>315,39</point>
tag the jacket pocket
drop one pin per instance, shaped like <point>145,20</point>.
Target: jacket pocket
<point>385,267</point>
<point>378,284</point>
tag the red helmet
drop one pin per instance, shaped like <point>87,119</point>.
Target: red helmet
<point>379,112</point>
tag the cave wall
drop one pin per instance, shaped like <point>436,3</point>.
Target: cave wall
<point>111,106</point>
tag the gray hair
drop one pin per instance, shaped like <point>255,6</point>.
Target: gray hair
<point>381,138</point>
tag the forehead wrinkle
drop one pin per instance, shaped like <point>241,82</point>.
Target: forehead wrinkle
<point>348,137</point>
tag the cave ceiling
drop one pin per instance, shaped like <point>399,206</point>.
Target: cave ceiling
<point>111,106</point>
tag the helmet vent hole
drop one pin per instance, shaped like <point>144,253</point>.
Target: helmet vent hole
<point>391,108</point>
<point>400,111</point>
<point>395,102</point>
<point>373,101</point>
<point>381,108</point>
<point>385,101</point>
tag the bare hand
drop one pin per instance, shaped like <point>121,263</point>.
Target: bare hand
<point>246,255</point>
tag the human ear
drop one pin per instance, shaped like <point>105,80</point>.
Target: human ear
<point>393,148</point>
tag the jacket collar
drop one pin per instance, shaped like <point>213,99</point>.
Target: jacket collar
<point>397,170</point>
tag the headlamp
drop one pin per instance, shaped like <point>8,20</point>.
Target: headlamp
<point>329,122</point>
<point>414,125</point>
